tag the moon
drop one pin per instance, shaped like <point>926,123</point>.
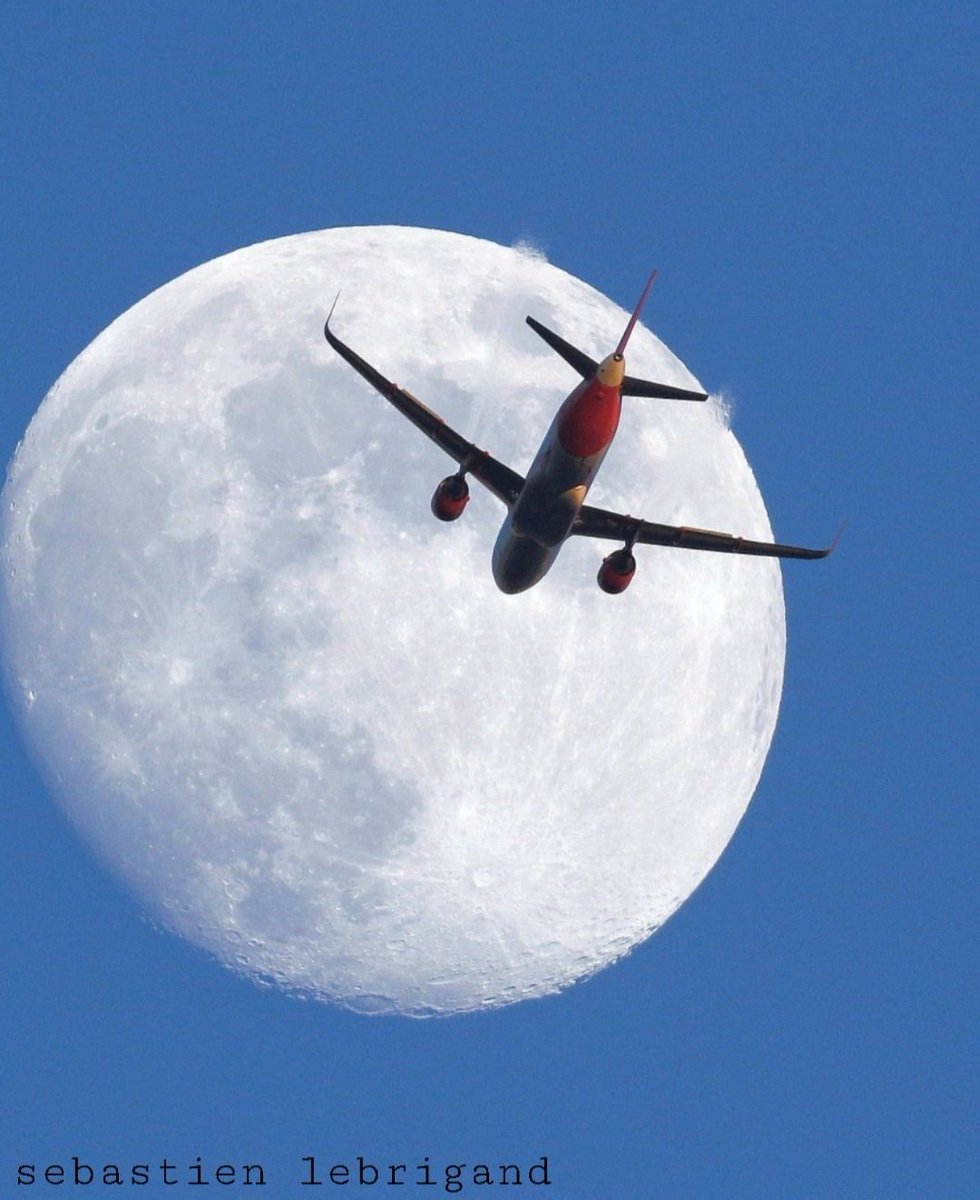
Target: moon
<point>291,710</point>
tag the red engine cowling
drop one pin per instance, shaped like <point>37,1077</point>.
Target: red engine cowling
<point>617,571</point>
<point>450,498</point>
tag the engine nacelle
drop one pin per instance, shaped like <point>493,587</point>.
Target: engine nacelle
<point>450,498</point>
<point>617,571</point>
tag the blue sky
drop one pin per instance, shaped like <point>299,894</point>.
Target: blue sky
<point>806,178</point>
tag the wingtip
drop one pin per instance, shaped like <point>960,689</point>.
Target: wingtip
<point>837,537</point>
<point>326,324</point>
<point>827,551</point>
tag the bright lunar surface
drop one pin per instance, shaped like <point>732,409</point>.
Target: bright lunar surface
<point>291,709</point>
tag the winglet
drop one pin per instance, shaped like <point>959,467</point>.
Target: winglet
<point>360,365</point>
<point>827,551</point>
<point>621,348</point>
<point>326,326</point>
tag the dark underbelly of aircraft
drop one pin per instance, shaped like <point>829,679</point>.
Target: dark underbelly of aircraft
<point>544,515</point>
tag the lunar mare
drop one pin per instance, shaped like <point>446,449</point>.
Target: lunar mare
<point>293,712</point>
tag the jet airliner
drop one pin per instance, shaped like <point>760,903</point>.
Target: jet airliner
<point>547,507</point>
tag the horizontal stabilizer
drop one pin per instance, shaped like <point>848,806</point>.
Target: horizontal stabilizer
<point>660,391</point>
<point>578,359</point>
<point>587,368</point>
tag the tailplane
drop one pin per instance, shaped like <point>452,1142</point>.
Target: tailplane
<point>587,366</point>
<point>578,359</point>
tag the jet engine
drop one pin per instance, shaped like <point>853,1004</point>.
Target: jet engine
<point>450,498</point>
<point>617,571</point>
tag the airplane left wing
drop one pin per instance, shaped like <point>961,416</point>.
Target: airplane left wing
<point>498,478</point>
<point>596,522</point>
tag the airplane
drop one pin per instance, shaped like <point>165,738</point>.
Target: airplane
<point>547,506</point>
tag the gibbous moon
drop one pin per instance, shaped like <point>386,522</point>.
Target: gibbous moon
<point>292,711</point>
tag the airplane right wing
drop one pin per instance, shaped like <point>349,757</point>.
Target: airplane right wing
<point>498,478</point>
<point>598,523</point>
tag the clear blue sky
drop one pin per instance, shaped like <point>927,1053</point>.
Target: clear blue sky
<point>806,179</point>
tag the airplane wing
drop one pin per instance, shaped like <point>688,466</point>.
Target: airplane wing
<point>505,484</point>
<point>596,522</point>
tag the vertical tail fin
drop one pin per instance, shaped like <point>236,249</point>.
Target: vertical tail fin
<point>587,367</point>
<point>621,348</point>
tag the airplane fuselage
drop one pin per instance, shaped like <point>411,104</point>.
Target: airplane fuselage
<point>548,504</point>
<point>559,479</point>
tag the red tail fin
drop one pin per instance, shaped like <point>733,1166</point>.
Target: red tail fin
<point>621,348</point>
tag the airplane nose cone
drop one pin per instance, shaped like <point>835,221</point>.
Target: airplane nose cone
<point>519,562</point>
